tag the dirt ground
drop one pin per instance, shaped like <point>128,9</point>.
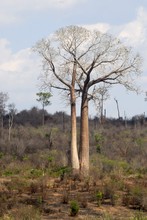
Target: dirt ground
<point>53,198</point>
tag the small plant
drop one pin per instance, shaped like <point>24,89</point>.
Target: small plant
<point>34,187</point>
<point>50,158</point>
<point>40,200</point>
<point>110,192</point>
<point>8,173</point>
<point>99,139</point>
<point>25,158</point>
<point>36,172</point>
<point>113,199</point>
<point>1,155</point>
<point>74,208</point>
<point>99,197</point>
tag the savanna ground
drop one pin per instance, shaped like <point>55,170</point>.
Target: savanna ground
<point>36,181</point>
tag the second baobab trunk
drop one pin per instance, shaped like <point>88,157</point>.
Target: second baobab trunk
<point>84,138</point>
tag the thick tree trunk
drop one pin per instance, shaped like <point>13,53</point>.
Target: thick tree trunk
<point>84,139</point>
<point>74,150</point>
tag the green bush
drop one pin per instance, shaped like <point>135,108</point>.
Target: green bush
<point>99,139</point>
<point>61,171</point>
<point>36,172</point>
<point>99,197</point>
<point>74,208</point>
<point>7,173</point>
<point>1,155</point>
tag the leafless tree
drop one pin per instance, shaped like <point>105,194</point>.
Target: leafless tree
<point>12,111</point>
<point>3,100</point>
<point>102,94</point>
<point>82,60</point>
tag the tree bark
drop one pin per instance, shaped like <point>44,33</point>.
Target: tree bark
<point>84,138</point>
<point>74,150</point>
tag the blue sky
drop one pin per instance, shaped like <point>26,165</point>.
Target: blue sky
<point>22,23</point>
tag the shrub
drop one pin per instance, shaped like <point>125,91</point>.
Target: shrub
<point>110,192</point>
<point>134,198</point>
<point>1,155</point>
<point>61,172</point>
<point>34,187</point>
<point>99,197</point>
<point>74,208</point>
<point>99,139</point>
<point>36,173</point>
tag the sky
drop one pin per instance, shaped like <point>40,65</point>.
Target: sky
<point>23,23</point>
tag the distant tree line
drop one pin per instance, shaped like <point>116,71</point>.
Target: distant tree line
<point>33,117</point>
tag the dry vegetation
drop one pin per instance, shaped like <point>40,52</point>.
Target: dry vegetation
<point>36,181</point>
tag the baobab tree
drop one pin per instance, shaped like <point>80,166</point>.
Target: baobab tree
<point>82,60</point>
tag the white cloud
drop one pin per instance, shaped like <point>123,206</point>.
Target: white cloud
<point>103,27</point>
<point>135,32</point>
<point>17,62</point>
<point>18,74</point>
<point>11,11</point>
